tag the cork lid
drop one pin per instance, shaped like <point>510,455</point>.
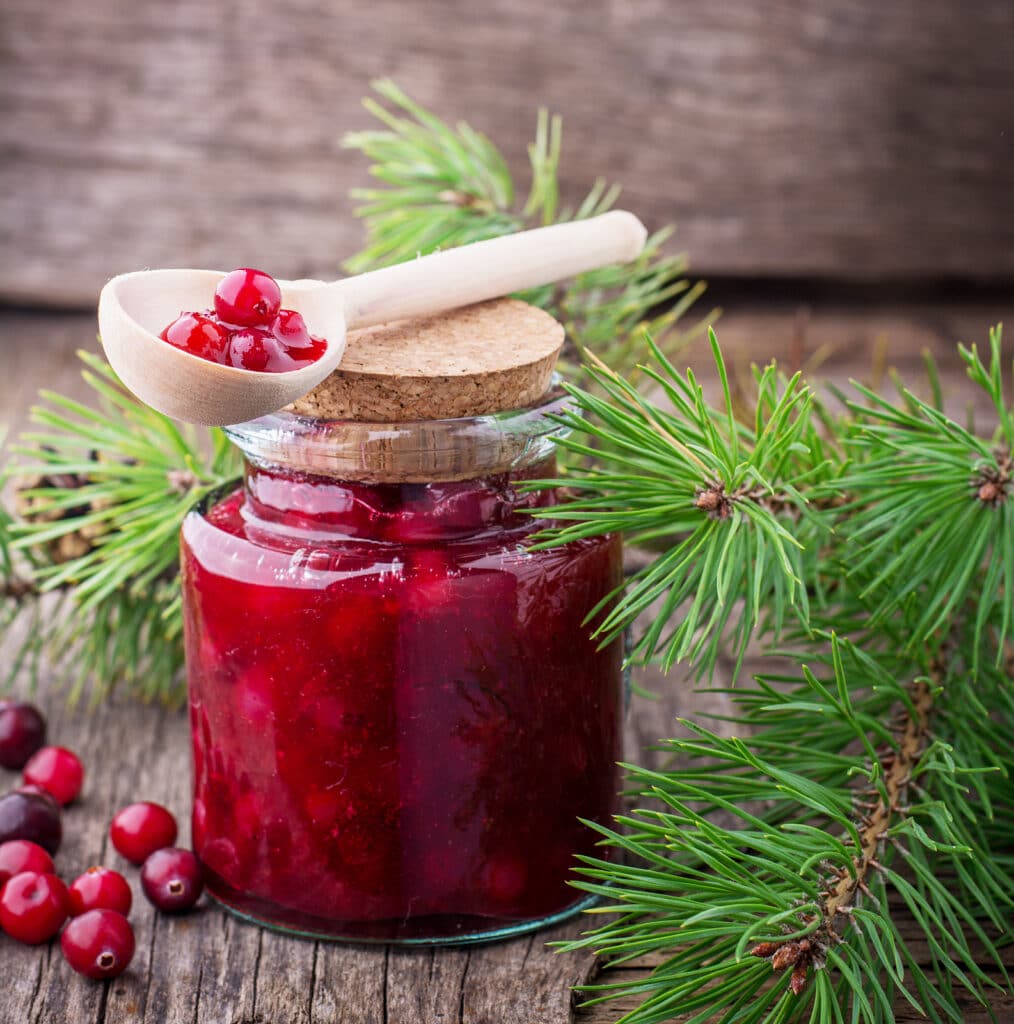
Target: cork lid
<point>474,361</point>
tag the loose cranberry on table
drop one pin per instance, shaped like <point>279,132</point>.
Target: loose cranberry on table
<point>22,733</point>
<point>33,907</point>
<point>33,817</point>
<point>57,770</point>
<point>172,880</point>
<point>247,328</point>
<point>140,829</point>
<point>99,889</point>
<point>98,944</point>
<point>18,855</point>
<point>29,787</point>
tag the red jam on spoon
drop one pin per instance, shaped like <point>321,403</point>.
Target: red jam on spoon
<point>247,328</point>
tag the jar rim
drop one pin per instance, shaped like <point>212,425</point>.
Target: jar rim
<point>411,451</point>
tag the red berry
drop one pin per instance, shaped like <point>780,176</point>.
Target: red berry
<point>57,770</point>
<point>29,787</point>
<point>20,855</point>
<point>172,880</point>
<point>33,906</point>
<point>199,335</point>
<point>99,889</point>
<point>32,817</point>
<point>22,732</point>
<point>308,354</point>
<point>248,298</point>
<point>290,329</point>
<point>98,944</point>
<point>140,829</point>
<point>255,349</point>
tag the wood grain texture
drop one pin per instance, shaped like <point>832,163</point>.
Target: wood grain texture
<point>209,968</point>
<point>856,139</point>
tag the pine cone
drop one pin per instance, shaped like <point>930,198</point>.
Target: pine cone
<point>798,980</point>
<point>35,509</point>
<point>786,956</point>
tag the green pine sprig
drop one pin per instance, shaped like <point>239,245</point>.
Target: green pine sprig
<point>927,509</point>
<point>721,498</point>
<point>842,806</point>
<point>125,476</point>
<point>876,770</point>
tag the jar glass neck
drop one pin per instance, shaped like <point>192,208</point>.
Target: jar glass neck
<point>423,451</point>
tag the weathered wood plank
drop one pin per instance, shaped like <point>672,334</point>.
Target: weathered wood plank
<point>861,139</point>
<point>209,968</point>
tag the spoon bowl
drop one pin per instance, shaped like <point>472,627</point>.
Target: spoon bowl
<point>134,308</point>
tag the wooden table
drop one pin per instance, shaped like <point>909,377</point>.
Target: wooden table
<point>208,968</point>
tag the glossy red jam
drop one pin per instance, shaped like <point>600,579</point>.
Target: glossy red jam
<point>398,714</point>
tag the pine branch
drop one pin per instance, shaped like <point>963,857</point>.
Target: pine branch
<point>720,495</point>
<point>442,185</point>
<point>797,890</point>
<point>115,481</point>
<point>880,766</point>
<point>928,506</point>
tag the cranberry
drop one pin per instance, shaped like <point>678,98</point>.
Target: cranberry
<point>22,732</point>
<point>289,327</point>
<point>248,298</point>
<point>98,944</point>
<point>58,770</point>
<point>32,817</point>
<point>172,880</point>
<point>30,787</point>
<point>140,829</point>
<point>99,889</point>
<point>33,906</point>
<point>256,349</point>
<point>19,855</point>
<point>199,335</point>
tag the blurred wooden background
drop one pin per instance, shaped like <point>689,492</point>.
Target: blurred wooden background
<point>853,139</point>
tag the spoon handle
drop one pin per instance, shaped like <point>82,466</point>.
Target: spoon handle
<point>485,270</point>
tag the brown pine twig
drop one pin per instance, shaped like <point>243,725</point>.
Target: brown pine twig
<point>875,818</point>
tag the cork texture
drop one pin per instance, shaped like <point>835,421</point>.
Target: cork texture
<point>490,357</point>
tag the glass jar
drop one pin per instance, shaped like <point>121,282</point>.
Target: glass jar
<point>398,712</point>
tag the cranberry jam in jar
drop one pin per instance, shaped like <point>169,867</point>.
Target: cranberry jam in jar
<point>398,711</point>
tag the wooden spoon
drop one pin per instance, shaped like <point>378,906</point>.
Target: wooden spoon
<point>135,308</point>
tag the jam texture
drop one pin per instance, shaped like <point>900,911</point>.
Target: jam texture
<point>398,712</point>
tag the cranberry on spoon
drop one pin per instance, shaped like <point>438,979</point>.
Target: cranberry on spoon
<point>247,328</point>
